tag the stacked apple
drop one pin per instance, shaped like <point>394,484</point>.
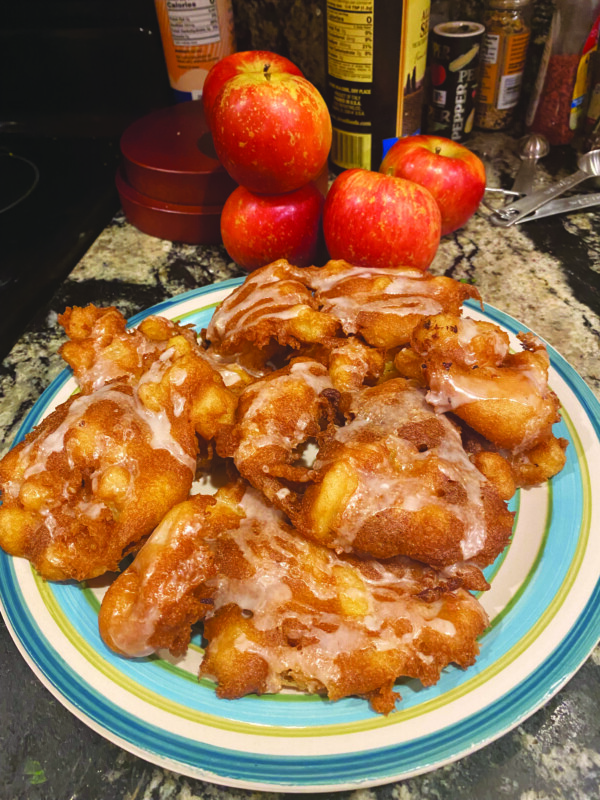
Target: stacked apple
<point>272,133</point>
<point>426,187</point>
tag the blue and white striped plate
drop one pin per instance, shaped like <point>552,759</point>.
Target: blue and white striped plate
<point>544,607</point>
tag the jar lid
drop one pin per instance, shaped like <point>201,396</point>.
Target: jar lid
<point>508,5</point>
<point>169,155</point>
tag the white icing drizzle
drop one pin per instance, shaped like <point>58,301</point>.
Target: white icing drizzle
<point>263,429</point>
<point>306,586</point>
<point>277,289</point>
<point>132,633</point>
<point>404,291</point>
<point>37,452</point>
<point>324,279</point>
<point>382,487</point>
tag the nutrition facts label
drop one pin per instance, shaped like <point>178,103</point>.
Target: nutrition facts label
<point>193,22</point>
<point>350,40</point>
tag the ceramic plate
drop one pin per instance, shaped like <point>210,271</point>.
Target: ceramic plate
<point>544,607</point>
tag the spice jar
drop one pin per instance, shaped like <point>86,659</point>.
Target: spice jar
<point>559,99</point>
<point>503,54</point>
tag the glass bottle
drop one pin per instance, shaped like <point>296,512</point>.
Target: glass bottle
<point>502,62</point>
<point>559,98</point>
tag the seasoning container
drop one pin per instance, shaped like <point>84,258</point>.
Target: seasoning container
<point>453,73</point>
<point>503,54</point>
<point>195,35</point>
<point>559,99</point>
<point>376,61</point>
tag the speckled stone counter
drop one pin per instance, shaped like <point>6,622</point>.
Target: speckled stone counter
<point>546,274</point>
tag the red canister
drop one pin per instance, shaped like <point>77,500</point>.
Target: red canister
<point>171,183</point>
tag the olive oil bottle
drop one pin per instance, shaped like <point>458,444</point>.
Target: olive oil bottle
<point>376,61</point>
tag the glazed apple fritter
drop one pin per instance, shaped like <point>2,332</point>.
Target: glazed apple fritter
<point>502,396</point>
<point>281,611</point>
<point>94,478</point>
<point>153,604</point>
<point>384,305</point>
<point>296,307</point>
<point>291,613</point>
<point>101,348</point>
<point>394,480</point>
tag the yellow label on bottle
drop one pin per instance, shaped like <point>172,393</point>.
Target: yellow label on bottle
<point>502,64</point>
<point>350,40</point>
<point>413,64</point>
<point>582,85</point>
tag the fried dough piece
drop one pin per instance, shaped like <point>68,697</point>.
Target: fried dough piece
<point>240,370</point>
<point>91,481</point>
<point>94,479</point>
<point>384,305</point>
<point>291,613</point>
<point>274,418</point>
<point>101,348</point>
<point>519,469</point>
<point>156,600</point>
<point>396,481</point>
<point>160,358</point>
<point>540,463</point>
<point>469,371</point>
<point>273,304</point>
<point>183,383</point>
<point>350,362</point>
<point>297,307</point>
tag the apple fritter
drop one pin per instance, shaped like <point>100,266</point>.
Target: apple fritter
<point>91,481</point>
<point>162,359</point>
<point>470,371</point>
<point>273,305</point>
<point>95,478</point>
<point>384,305</point>
<point>288,612</point>
<point>101,348</point>
<point>296,307</point>
<point>153,604</point>
<point>395,480</point>
<point>275,417</point>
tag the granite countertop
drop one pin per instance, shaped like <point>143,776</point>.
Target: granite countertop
<point>545,274</point>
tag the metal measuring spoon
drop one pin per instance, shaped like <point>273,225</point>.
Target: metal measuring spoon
<point>589,167</point>
<point>531,149</point>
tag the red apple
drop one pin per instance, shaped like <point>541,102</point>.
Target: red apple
<point>271,131</point>
<point>453,174</point>
<point>375,220</point>
<point>258,229</point>
<point>237,64</point>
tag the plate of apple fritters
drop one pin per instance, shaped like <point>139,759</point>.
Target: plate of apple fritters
<point>319,529</point>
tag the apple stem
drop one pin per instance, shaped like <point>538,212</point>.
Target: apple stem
<point>438,150</point>
<point>266,72</point>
